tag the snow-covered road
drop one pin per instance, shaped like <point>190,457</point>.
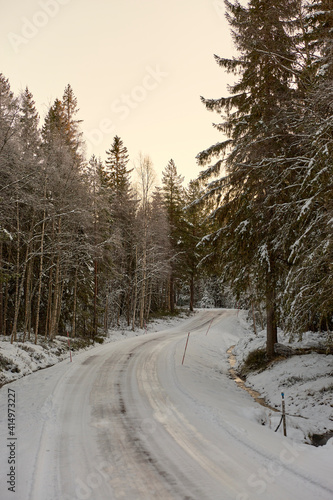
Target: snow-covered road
<point>127,420</point>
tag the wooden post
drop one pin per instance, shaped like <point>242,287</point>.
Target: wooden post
<point>284,415</point>
<point>188,336</point>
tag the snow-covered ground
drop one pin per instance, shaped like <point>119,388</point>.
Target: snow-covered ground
<point>306,381</point>
<point>127,420</point>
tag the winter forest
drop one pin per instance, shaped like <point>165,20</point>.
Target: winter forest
<point>88,243</point>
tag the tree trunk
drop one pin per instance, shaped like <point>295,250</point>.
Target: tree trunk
<point>30,313</point>
<point>74,303</point>
<point>27,270</point>
<point>171,294</point>
<point>49,305</point>
<point>106,312</point>
<point>149,300</point>
<point>192,293</point>
<point>1,292</point>
<point>61,291</point>
<point>95,298</point>
<point>56,298</point>
<point>40,274</point>
<point>271,322</point>
<point>24,281</point>
<point>56,293</point>
<point>5,310</point>
<point>27,310</point>
<point>261,318</point>
<point>128,312</point>
<point>143,291</point>
<point>13,335</point>
<point>135,290</point>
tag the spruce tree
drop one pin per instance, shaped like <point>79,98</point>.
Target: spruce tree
<point>54,131</point>
<point>9,118</point>
<point>29,123</point>
<point>9,109</point>
<point>194,229</point>
<point>255,153</point>
<point>308,295</point>
<point>117,175</point>
<point>159,252</point>
<point>173,195</point>
<point>115,179</point>
<point>73,133</point>
<point>67,211</point>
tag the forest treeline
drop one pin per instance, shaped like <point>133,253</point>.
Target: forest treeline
<point>83,246</point>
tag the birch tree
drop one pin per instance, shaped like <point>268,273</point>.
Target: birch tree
<point>146,177</point>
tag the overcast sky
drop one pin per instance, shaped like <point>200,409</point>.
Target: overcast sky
<point>137,68</point>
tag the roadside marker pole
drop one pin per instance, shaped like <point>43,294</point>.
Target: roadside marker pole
<point>210,324</point>
<point>284,416</point>
<point>188,336</point>
<point>69,347</point>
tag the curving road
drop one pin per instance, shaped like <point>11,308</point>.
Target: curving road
<point>128,421</point>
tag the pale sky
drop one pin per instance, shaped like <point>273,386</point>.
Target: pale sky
<point>137,68</point>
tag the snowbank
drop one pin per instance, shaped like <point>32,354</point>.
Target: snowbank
<point>306,381</point>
